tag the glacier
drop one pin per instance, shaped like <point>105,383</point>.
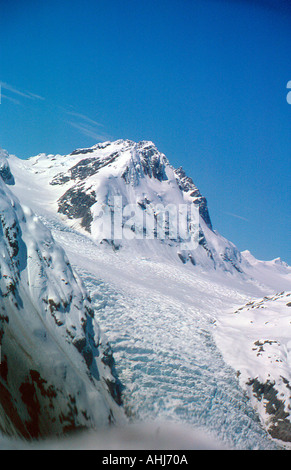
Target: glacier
<point>165,312</point>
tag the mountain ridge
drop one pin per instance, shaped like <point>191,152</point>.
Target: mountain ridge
<point>54,371</point>
<point>141,175</point>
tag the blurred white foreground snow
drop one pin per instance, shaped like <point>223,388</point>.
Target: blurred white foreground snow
<point>151,436</point>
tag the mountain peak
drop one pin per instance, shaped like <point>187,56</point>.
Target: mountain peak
<point>120,144</point>
<point>3,153</point>
<point>83,185</point>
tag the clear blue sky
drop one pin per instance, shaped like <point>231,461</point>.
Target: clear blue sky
<point>203,79</point>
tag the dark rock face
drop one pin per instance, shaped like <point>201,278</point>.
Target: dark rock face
<point>29,390</point>
<point>5,173</point>
<point>16,252</point>
<point>186,184</point>
<point>151,163</point>
<point>82,152</point>
<point>115,387</point>
<point>90,166</point>
<point>60,179</point>
<point>280,427</point>
<point>76,204</point>
<point>101,145</point>
<point>233,257</point>
<point>84,169</point>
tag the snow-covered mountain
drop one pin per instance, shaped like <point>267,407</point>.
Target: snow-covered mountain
<point>163,306</point>
<point>55,373</point>
<point>84,184</point>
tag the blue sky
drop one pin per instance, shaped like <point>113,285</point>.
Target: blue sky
<point>206,80</point>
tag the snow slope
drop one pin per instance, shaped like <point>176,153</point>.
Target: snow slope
<point>161,315</point>
<point>160,319</point>
<point>255,340</point>
<point>53,372</point>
